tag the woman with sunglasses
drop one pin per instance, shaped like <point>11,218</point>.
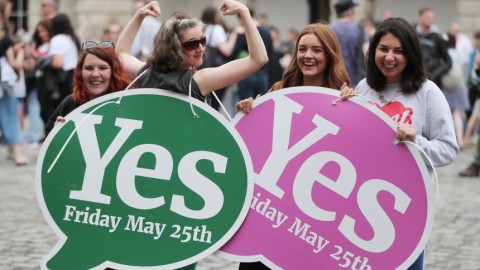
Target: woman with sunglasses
<point>179,49</point>
<point>99,71</point>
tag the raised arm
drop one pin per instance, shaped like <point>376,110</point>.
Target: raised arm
<point>132,64</point>
<point>210,79</point>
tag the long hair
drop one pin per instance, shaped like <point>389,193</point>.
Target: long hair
<point>335,73</point>
<point>61,25</point>
<point>167,53</point>
<point>117,80</point>
<point>45,23</point>
<point>414,74</point>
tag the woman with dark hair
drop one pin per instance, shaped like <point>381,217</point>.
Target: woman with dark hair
<point>397,83</point>
<point>38,52</point>
<point>316,61</point>
<point>56,81</point>
<point>99,71</point>
<point>216,45</point>
<point>178,51</point>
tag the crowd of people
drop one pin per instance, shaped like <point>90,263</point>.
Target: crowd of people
<point>45,79</point>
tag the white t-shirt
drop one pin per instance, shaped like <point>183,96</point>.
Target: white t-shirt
<point>63,45</point>
<point>215,35</point>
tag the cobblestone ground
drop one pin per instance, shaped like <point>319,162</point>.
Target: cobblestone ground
<point>25,237</point>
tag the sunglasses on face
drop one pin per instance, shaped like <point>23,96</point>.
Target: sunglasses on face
<point>193,44</point>
<point>91,44</point>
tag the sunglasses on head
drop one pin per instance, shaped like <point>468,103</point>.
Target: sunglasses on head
<point>193,44</point>
<point>91,44</point>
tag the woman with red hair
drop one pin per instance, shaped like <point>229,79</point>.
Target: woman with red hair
<point>99,71</point>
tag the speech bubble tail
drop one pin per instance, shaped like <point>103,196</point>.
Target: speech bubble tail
<point>69,257</point>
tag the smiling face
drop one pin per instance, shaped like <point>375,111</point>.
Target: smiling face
<point>193,57</point>
<point>311,58</point>
<point>96,75</point>
<point>390,58</point>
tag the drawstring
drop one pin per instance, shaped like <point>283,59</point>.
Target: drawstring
<point>221,106</point>
<point>117,103</point>
<point>195,115</point>
<point>74,131</point>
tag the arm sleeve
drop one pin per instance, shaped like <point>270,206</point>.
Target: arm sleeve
<point>438,138</point>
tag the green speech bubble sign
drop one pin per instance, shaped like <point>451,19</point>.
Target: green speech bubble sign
<point>143,184</point>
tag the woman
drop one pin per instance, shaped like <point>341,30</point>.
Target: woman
<point>63,52</point>
<point>216,38</point>
<point>178,51</point>
<point>38,52</point>
<point>396,74</point>
<point>99,71</point>
<point>316,61</point>
<point>9,122</point>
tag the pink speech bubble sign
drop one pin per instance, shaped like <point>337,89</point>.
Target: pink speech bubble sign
<point>332,190</point>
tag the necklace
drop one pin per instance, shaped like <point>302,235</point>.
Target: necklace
<point>384,101</point>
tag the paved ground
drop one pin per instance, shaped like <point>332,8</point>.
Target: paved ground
<point>25,237</point>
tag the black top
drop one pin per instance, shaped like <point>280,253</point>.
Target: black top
<point>176,81</point>
<point>65,107</point>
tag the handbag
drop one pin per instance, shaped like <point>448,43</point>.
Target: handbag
<point>452,79</point>
<point>52,82</point>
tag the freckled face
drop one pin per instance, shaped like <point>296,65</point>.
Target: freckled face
<point>96,75</point>
<point>311,57</point>
<point>390,58</point>
<point>194,57</point>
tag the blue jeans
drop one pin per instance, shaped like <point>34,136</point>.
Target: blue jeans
<point>418,264</point>
<point>9,124</point>
<point>255,84</point>
<point>35,123</point>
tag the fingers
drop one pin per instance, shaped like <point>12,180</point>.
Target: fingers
<point>151,9</point>
<point>346,91</point>
<point>406,132</point>
<point>245,105</point>
<point>59,119</point>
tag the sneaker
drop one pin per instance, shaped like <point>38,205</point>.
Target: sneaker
<point>472,171</point>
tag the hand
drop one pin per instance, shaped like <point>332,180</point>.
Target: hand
<point>406,132</point>
<point>245,105</point>
<point>59,119</point>
<point>150,9</point>
<point>230,7</point>
<point>346,91</point>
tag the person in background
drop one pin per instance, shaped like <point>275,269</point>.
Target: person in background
<point>143,43</point>
<point>179,49</point>
<point>112,32</point>
<point>48,8</point>
<point>99,71</point>
<point>316,61</point>
<point>216,38</point>
<point>353,39</point>
<point>396,74</point>
<point>473,79</point>
<point>257,83</point>
<point>9,123</point>
<point>436,60</point>
<point>458,99</point>
<point>38,51</point>
<point>63,53</point>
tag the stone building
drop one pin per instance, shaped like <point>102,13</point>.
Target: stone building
<point>90,17</point>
